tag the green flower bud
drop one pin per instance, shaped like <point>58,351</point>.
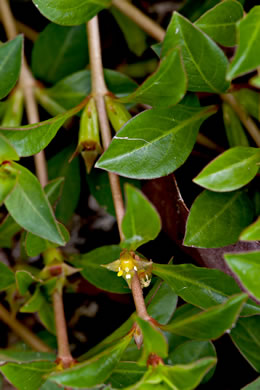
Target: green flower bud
<point>117,113</point>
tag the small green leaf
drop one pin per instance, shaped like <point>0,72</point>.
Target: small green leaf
<point>31,139</point>
<point>209,324</point>
<point>252,232</point>
<point>135,227</point>
<point>7,151</point>
<point>94,371</point>
<point>202,287</point>
<point>53,189</point>
<point>253,386</point>
<point>8,180</point>
<point>91,262</point>
<point>250,100</point>
<point>59,51</point>
<point>204,62</point>
<point>247,267</point>
<point>235,133</point>
<point>246,336</point>
<point>155,142</point>
<point>217,219</point>
<point>15,108</point>
<point>220,22</point>
<point>8,229</point>
<point>249,44</point>
<point>10,64</point>
<point>24,279</point>
<point>19,355</point>
<point>255,81</point>
<point>70,12</point>
<point>126,374</point>
<point>29,376</point>
<point>231,170</point>
<point>7,278</point>
<point>28,198</point>
<point>165,87</point>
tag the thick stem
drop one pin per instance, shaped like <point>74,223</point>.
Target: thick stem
<point>139,298</point>
<point>25,334</point>
<point>249,124</point>
<point>143,21</point>
<point>64,355</point>
<point>99,90</point>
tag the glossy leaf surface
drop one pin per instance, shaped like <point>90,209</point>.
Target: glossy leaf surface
<point>59,51</point>
<point>70,12</point>
<point>155,142</point>
<point>252,232</point>
<point>10,64</point>
<point>21,355</point>
<point>134,225</point>
<point>204,62</point>
<point>217,219</point>
<point>7,151</point>
<point>220,22</point>
<point>231,170</point>
<point>247,267</point>
<point>166,86</point>
<point>29,199</point>
<point>7,278</point>
<point>246,59</point>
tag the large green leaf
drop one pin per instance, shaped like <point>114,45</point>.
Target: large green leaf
<point>202,287</point>
<point>7,151</point>
<point>135,227</point>
<point>253,386</point>
<point>94,371</point>
<point>209,324</point>
<point>7,278</point>
<point>155,142</point>
<point>28,376</point>
<point>30,208</point>
<point>220,22</point>
<point>235,133</point>
<point>31,139</point>
<point>70,12</point>
<point>166,86</point>
<point>247,267</point>
<point>231,170</point>
<point>252,232</point>
<point>246,336</point>
<point>249,44</point>
<point>204,62</point>
<point>217,219</point>
<point>59,51</point>
<point>10,64</point>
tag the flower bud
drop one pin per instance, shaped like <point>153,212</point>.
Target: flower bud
<point>117,113</point>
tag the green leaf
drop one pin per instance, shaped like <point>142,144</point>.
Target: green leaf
<point>28,198</point>
<point>8,228</point>
<point>59,166</point>
<point>191,351</point>
<point>155,142</point>
<point>7,151</point>
<point>253,386</point>
<point>220,22</point>
<point>217,219</point>
<point>246,59</point>
<point>94,371</point>
<point>250,100</point>
<point>231,170</point>
<point>19,355</point>
<point>202,287</point>
<point>70,12</point>
<point>154,340</point>
<point>29,376</point>
<point>31,139</point>
<point>134,36</point>
<point>165,87</point>
<point>255,81</point>
<point>247,267</point>
<point>10,64</point>
<point>134,225</point>
<point>24,279</point>
<point>7,277</point>
<point>59,51</point>
<point>200,56</point>
<point>209,324</point>
<point>53,189</point>
<point>8,180</point>
<point>234,130</point>
<point>252,232</point>
<point>246,336</point>
<point>126,374</point>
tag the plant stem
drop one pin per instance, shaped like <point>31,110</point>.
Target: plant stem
<point>64,355</point>
<point>99,90</point>
<point>143,21</point>
<point>139,298</point>
<point>27,31</point>
<point>244,117</point>
<point>25,334</point>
